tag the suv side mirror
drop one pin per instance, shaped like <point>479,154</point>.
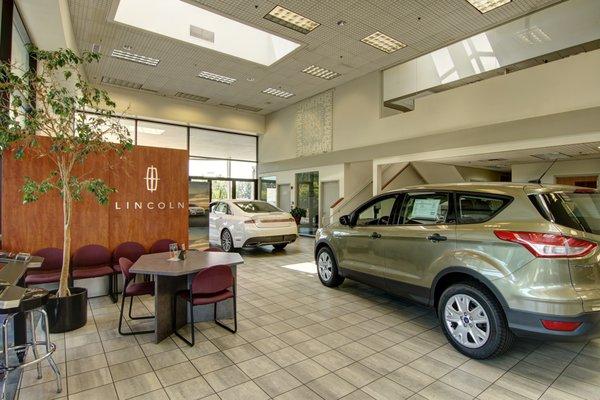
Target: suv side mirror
<point>345,220</point>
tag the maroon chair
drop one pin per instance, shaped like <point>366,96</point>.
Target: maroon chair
<point>129,250</point>
<point>209,286</point>
<point>49,272</point>
<point>161,246</point>
<point>94,261</point>
<point>132,289</point>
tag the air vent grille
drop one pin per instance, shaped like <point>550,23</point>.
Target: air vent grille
<point>241,107</point>
<point>193,97</point>
<point>121,83</point>
<point>96,48</point>
<point>202,34</point>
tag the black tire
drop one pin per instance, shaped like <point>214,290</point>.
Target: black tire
<point>333,279</point>
<point>500,337</point>
<point>226,235</point>
<point>280,246</point>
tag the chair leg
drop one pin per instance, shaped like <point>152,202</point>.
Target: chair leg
<point>132,317</point>
<point>121,314</point>
<point>121,318</point>
<point>34,344</point>
<point>222,325</point>
<point>51,361</point>
<point>174,323</point>
<point>111,292</point>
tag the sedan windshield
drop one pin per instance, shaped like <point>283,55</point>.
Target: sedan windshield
<point>578,210</point>
<point>256,207</point>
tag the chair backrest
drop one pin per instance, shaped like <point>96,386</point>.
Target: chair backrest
<point>53,258</point>
<point>125,264</point>
<point>213,249</point>
<point>129,250</point>
<point>161,246</point>
<point>212,280</point>
<point>91,255</point>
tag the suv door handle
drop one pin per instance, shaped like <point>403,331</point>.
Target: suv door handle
<point>436,237</point>
<point>375,235</point>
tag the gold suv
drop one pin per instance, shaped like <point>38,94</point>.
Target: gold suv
<point>495,260</point>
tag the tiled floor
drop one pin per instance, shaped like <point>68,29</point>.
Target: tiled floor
<point>300,340</point>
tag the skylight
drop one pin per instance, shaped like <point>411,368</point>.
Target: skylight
<point>189,23</point>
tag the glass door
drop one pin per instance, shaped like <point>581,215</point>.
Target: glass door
<point>307,198</point>
<point>199,197</point>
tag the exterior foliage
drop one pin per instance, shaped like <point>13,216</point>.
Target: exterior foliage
<point>50,102</point>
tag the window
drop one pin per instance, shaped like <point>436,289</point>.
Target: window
<point>222,208</point>
<point>425,209</point>
<point>208,168</point>
<point>473,209</point>
<point>154,134</point>
<point>256,207</point>
<point>243,170</point>
<point>244,190</point>
<point>578,210</point>
<point>227,146</point>
<point>377,213</point>
<point>268,189</point>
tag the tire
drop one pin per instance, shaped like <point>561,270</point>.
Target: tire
<point>280,246</point>
<point>227,241</point>
<point>486,339</point>
<point>327,268</point>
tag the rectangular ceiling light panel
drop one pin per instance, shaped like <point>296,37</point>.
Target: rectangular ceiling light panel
<point>189,96</point>
<point>487,5</point>
<point>292,20</point>
<point>216,77</point>
<point>278,93</point>
<point>125,55</point>
<point>383,42</point>
<point>187,22</point>
<point>320,72</point>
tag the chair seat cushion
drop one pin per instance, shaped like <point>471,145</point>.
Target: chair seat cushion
<point>37,277</point>
<point>92,272</point>
<point>200,299</point>
<point>117,268</point>
<point>139,288</point>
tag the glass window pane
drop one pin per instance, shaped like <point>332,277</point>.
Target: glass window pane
<point>154,134</point>
<point>268,189</point>
<point>208,168</point>
<point>129,124</point>
<point>475,209</point>
<point>425,209</point>
<point>221,190</point>
<point>244,190</point>
<point>242,169</point>
<point>213,144</point>
<point>376,214</point>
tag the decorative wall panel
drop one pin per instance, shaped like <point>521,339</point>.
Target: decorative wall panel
<point>313,123</point>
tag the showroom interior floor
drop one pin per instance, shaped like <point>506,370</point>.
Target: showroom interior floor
<point>300,340</point>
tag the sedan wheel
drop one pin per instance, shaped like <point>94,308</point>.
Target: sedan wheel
<point>226,241</point>
<point>467,321</point>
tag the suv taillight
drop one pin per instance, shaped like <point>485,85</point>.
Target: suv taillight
<point>549,245</point>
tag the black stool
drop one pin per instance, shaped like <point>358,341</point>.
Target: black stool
<point>32,303</point>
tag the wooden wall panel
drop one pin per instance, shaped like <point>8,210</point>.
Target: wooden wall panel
<point>28,227</point>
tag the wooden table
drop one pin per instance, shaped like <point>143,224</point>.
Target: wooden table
<point>172,276</point>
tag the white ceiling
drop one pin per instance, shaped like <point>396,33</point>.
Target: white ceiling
<point>501,161</point>
<point>424,25</point>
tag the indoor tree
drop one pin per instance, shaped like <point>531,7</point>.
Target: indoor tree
<point>42,114</point>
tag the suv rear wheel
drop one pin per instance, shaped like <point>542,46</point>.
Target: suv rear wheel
<point>327,268</point>
<point>473,321</point>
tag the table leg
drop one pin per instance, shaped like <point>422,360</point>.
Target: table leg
<point>165,288</point>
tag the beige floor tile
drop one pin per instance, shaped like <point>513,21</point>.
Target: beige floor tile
<point>286,356</point>
<point>385,389</point>
<point>247,391</point>
<point>555,394</point>
<point>301,392</point>
<point>242,353</point>
<point>159,394</point>
<point>331,387</point>
<point>200,348</point>
<point>176,373</point>
<point>86,364</point>
<point>166,359</point>
<point>307,370</point>
<point>277,382</point>
<point>381,363</point>
<point>358,374</point>
<point>577,388</point>
<point>89,380</point>
<point>258,366</point>
<point>137,385</point>
<point>106,392</point>
<point>196,388</point>
<point>130,369</point>
<point>124,355</point>
<point>466,382</point>
<point>46,391</point>
<point>30,376</point>
<point>211,362</point>
<point>225,378</point>
<point>441,391</point>
<point>521,385</point>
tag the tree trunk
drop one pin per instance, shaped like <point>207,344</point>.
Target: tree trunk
<point>63,287</point>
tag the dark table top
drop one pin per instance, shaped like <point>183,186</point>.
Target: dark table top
<point>158,263</point>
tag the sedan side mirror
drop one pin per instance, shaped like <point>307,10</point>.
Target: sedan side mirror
<point>345,220</point>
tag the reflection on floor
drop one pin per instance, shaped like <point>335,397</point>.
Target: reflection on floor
<point>300,340</point>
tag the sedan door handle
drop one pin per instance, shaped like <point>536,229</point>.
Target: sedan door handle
<point>436,237</point>
<point>375,235</point>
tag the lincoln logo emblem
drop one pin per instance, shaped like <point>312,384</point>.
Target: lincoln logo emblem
<point>151,178</point>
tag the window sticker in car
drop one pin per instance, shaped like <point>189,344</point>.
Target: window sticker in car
<point>425,209</point>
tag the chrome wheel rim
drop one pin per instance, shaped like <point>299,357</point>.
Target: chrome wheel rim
<point>325,265</point>
<point>467,321</point>
<point>226,241</point>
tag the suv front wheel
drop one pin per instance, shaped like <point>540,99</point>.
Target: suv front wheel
<point>327,268</point>
<point>473,321</point>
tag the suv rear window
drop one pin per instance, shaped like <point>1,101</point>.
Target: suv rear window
<point>576,210</point>
<point>474,209</point>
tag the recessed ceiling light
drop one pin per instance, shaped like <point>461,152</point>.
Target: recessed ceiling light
<point>250,79</point>
<point>383,42</point>
<point>292,20</point>
<point>278,93</point>
<point>487,5</point>
<point>216,78</point>
<point>320,72</point>
<point>125,55</point>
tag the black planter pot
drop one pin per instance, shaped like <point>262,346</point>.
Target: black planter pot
<point>67,313</point>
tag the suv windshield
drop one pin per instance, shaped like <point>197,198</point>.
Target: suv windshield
<point>256,206</point>
<point>578,210</point>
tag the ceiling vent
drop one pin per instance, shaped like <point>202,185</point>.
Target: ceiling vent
<point>551,156</point>
<point>241,107</point>
<point>96,48</point>
<point>192,97</point>
<point>202,34</point>
<point>120,83</point>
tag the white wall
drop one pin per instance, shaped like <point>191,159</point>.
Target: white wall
<point>532,171</point>
<point>565,85</point>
